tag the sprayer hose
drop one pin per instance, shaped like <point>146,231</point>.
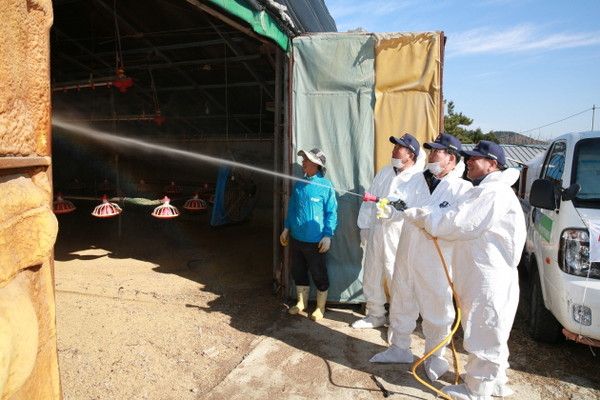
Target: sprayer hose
<point>449,337</point>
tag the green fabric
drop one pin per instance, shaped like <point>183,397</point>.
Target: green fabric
<point>333,100</point>
<point>261,22</point>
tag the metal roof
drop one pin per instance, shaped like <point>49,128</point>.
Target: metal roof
<point>516,154</point>
<point>177,69</point>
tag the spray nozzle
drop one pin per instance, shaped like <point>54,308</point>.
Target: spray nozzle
<point>369,197</point>
<point>399,205</point>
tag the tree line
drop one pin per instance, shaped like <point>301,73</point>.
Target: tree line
<point>456,124</point>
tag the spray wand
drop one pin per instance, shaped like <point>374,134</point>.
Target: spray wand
<point>399,205</point>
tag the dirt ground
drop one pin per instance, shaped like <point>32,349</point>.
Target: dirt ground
<point>176,309</point>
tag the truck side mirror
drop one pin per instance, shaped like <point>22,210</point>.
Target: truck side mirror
<point>542,194</point>
<point>570,192</point>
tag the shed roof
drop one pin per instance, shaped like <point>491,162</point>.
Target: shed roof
<point>191,69</point>
<point>516,154</point>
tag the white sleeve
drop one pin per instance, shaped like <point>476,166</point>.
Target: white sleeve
<point>469,219</point>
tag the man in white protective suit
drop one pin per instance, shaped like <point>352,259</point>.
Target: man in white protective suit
<point>379,236</point>
<point>419,284</point>
<point>488,231</point>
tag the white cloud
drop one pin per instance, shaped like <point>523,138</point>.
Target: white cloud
<point>518,39</point>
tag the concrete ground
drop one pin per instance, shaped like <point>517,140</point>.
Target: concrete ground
<point>174,310</point>
<point>302,359</point>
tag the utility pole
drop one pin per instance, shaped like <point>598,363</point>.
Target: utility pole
<point>593,115</point>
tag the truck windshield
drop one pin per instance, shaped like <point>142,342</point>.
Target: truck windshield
<point>586,166</point>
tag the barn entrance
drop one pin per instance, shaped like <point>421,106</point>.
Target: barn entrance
<point>185,75</point>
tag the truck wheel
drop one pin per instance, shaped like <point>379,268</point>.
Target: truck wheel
<point>543,327</point>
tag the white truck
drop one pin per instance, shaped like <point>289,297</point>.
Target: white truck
<point>560,193</point>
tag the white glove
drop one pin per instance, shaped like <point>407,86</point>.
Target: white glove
<point>384,211</point>
<point>364,236</point>
<point>284,237</point>
<point>324,244</point>
<point>416,216</point>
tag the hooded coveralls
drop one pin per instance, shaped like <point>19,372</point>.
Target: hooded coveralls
<point>382,243</point>
<point>419,283</point>
<point>488,230</point>
<point>312,214</point>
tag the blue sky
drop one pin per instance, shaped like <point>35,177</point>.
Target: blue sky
<point>510,65</point>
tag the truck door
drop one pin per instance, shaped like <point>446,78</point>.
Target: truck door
<point>545,220</point>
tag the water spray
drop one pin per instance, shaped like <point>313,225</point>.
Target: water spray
<point>98,135</point>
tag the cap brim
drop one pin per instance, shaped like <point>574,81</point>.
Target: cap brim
<point>311,157</point>
<point>470,153</point>
<point>400,142</point>
<point>434,146</point>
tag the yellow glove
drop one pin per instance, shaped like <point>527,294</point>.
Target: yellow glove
<point>384,210</point>
<point>324,244</point>
<point>284,237</point>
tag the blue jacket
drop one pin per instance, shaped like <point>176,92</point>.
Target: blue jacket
<point>312,210</point>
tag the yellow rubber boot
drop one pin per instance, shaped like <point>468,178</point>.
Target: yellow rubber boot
<point>321,300</point>
<point>302,292</point>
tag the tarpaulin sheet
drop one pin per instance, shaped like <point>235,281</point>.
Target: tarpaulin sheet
<point>333,98</point>
<point>351,92</point>
<point>261,22</point>
<point>408,88</point>
<point>219,212</point>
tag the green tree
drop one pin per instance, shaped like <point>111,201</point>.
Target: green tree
<point>456,123</point>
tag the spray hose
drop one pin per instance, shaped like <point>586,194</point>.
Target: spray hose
<point>449,337</point>
<point>402,206</point>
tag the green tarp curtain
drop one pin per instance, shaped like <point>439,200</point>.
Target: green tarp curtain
<point>261,22</point>
<point>333,100</point>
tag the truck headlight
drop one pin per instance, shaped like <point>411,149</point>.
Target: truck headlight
<point>574,254</point>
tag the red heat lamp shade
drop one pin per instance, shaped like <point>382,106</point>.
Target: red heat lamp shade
<point>143,187</point>
<point>159,119</point>
<point>122,82</point>
<point>62,206</point>
<point>205,191</point>
<point>195,203</point>
<point>172,189</point>
<point>165,210</point>
<point>105,186</point>
<point>77,185</point>
<point>106,209</point>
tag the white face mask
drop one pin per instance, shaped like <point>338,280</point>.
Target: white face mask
<point>397,163</point>
<point>435,168</point>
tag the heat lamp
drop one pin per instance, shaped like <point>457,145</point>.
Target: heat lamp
<point>166,210</point>
<point>195,203</point>
<point>142,187</point>
<point>105,186</point>
<point>62,206</point>
<point>205,191</point>
<point>77,185</point>
<point>106,209</point>
<point>172,189</point>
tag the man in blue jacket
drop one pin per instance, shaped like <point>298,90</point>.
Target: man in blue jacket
<point>311,223</point>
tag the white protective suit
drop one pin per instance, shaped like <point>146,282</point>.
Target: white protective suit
<point>380,251</point>
<point>488,230</point>
<point>419,284</point>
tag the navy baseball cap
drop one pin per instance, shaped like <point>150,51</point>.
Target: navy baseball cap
<point>487,149</point>
<point>444,141</point>
<point>408,141</point>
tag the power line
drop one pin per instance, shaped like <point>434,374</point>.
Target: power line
<point>560,120</point>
